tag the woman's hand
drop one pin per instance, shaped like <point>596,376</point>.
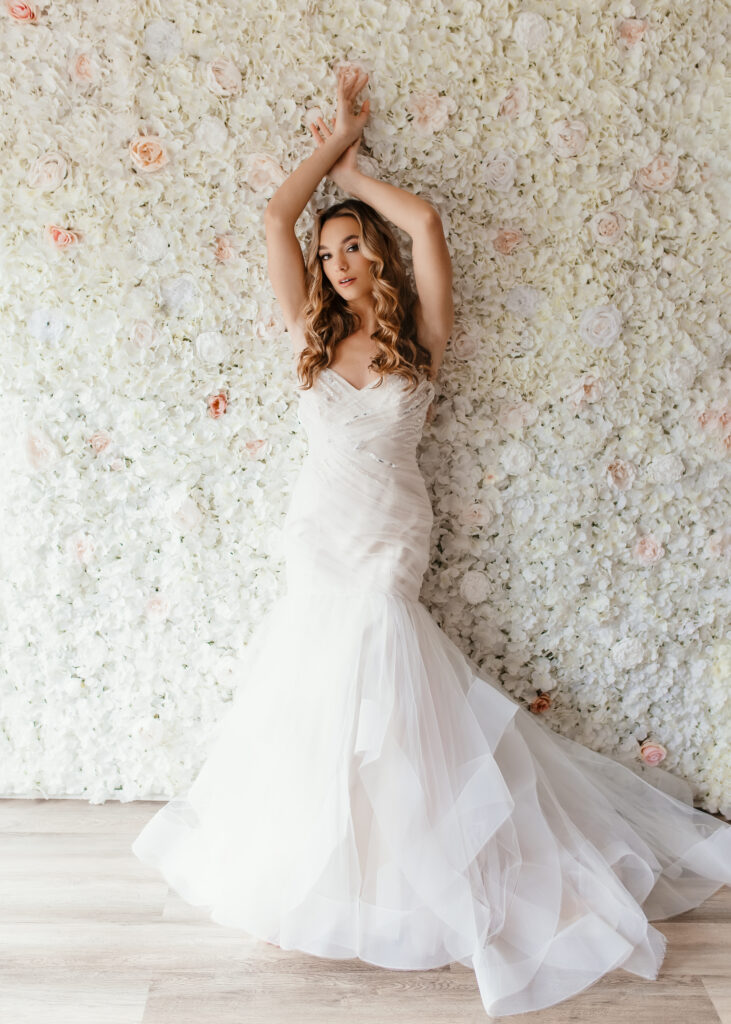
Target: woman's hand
<point>347,122</point>
<point>346,165</point>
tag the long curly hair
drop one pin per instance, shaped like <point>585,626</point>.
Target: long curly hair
<point>328,319</point>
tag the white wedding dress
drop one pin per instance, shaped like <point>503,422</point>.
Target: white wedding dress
<point>370,794</point>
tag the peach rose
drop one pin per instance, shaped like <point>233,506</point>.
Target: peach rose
<point>224,248</point>
<point>540,703</point>
<point>21,11</point>
<point>507,239</point>
<point>652,753</point>
<point>148,153</point>
<point>217,405</point>
<point>657,176</point>
<point>621,474</point>
<point>100,440</point>
<point>631,30</point>
<point>82,68</point>
<point>431,111</point>
<point>515,101</point>
<point>648,549</point>
<point>61,238</point>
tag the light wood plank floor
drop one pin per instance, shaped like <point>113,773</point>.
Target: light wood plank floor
<point>89,935</point>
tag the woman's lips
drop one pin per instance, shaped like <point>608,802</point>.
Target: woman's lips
<point>346,282</point>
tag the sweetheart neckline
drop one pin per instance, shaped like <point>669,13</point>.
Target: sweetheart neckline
<point>424,380</point>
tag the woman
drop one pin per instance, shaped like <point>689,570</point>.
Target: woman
<point>370,794</point>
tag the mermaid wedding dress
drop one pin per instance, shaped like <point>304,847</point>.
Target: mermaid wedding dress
<point>370,794</point>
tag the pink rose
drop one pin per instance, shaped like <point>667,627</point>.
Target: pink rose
<point>100,440</point>
<point>21,11</point>
<point>657,176</point>
<point>224,248</point>
<point>506,240</point>
<point>652,753</point>
<point>431,111</point>
<point>621,474</point>
<point>648,549</point>
<point>631,30</point>
<point>148,153</point>
<point>515,101</point>
<point>61,238</point>
<point>48,171</point>
<point>217,405</point>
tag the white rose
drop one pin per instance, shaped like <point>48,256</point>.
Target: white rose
<point>587,389</point>
<point>212,347</point>
<point>223,77</point>
<point>499,169</point>
<point>179,293</point>
<point>264,172</point>
<point>607,227</point>
<point>568,138</point>
<point>161,41</point>
<point>530,30</point>
<point>211,133</point>
<point>522,509</point>
<point>516,458</point>
<point>666,469</point>
<point>474,586</point>
<point>600,326</point>
<point>144,334</point>
<point>627,653</point>
<point>152,243</point>
<point>48,171</point>
<point>523,300</point>
<point>47,325</point>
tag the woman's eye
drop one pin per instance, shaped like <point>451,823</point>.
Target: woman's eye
<point>352,247</point>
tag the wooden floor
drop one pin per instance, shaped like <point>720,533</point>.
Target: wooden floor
<point>89,935</point>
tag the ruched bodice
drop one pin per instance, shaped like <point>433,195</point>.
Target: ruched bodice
<point>360,516</point>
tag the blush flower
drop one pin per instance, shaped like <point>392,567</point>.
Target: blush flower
<point>657,176</point>
<point>83,69</point>
<point>568,138</point>
<point>217,405</point>
<point>514,102</point>
<point>100,440</point>
<point>148,153</point>
<point>631,30</point>
<point>621,474</point>
<point>48,172</point>
<point>431,111</point>
<point>506,240</point>
<point>21,11</point>
<point>606,227</point>
<point>224,249</point>
<point>540,703</point>
<point>223,77</point>
<point>652,753</point>
<point>264,172</point>
<point>61,238</point>
<point>648,549</point>
<point>586,390</point>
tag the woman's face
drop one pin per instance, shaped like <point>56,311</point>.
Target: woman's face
<point>341,258</point>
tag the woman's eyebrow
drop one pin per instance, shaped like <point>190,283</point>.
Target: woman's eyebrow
<point>320,248</point>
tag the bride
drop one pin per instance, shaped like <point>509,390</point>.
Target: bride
<point>370,793</point>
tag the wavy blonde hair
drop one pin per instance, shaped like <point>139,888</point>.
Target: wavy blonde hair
<point>328,319</point>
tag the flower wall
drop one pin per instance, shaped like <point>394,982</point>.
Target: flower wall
<point>576,452</point>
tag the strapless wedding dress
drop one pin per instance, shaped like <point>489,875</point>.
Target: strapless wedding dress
<point>371,793</point>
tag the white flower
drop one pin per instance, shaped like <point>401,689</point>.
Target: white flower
<point>41,450</point>
<point>161,41</point>
<point>144,334</point>
<point>152,243</point>
<point>530,30</point>
<point>607,227</point>
<point>431,111</point>
<point>628,653</point>
<point>517,414</point>
<point>264,172</point>
<point>620,474</point>
<point>666,469</point>
<point>463,342</point>
<point>211,134</point>
<point>223,77</point>
<point>48,171</point>
<point>47,325</point>
<point>522,509</point>
<point>179,294</point>
<point>212,347</point>
<point>499,169</point>
<point>587,388</point>
<point>568,138</point>
<point>516,458</point>
<point>523,300</point>
<point>474,586</point>
<point>600,326</point>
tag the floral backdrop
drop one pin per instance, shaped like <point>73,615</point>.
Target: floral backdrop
<point>576,451</point>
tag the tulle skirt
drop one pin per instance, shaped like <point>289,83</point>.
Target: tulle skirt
<point>368,794</point>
